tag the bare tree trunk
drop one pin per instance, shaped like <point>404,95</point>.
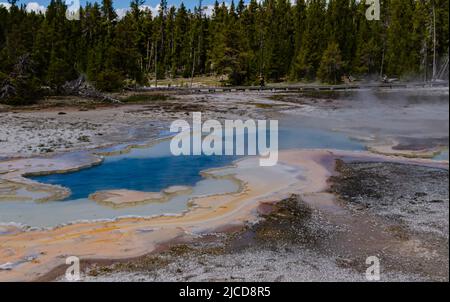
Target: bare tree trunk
<point>147,56</point>
<point>156,66</point>
<point>434,42</point>
<point>193,69</point>
<point>382,60</point>
<point>425,60</point>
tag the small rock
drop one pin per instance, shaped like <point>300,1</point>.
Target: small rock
<point>436,201</point>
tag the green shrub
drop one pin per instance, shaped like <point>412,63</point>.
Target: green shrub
<point>27,91</point>
<point>109,81</point>
<point>138,98</point>
<point>2,77</point>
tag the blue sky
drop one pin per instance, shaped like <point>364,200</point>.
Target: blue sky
<point>121,6</point>
<point>126,3</point>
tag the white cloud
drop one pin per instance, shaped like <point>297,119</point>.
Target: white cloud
<point>5,4</point>
<point>154,10</point>
<point>121,12</point>
<point>208,10</point>
<point>35,7</point>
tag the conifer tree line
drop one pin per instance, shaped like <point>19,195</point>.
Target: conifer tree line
<point>240,42</point>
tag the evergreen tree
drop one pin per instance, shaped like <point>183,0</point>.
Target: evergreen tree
<point>299,29</point>
<point>306,40</point>
<point>313,42</point>
<point>369,45</point>
<point>399,43</point>
<point>331,65</point>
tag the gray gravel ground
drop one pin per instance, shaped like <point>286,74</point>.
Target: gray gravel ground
<point>280,265</point>
<point>414,196</point>
<point>397,212</point>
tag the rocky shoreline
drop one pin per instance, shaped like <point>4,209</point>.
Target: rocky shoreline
<point>313,235</point>
<point>68,126</point>
<point>299,241</point>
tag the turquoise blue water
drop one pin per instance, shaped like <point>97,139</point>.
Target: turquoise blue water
<point>153,169</point>
<point>442,156</point>
<point>308,138</point>
<point>148,169</point>
<point>150,174</point>
<point>50,214</point>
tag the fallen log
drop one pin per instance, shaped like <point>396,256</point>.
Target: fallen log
<point>81,87</point>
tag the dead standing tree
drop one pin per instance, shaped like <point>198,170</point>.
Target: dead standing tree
<point>81,87</point>
<point>19,87</point>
